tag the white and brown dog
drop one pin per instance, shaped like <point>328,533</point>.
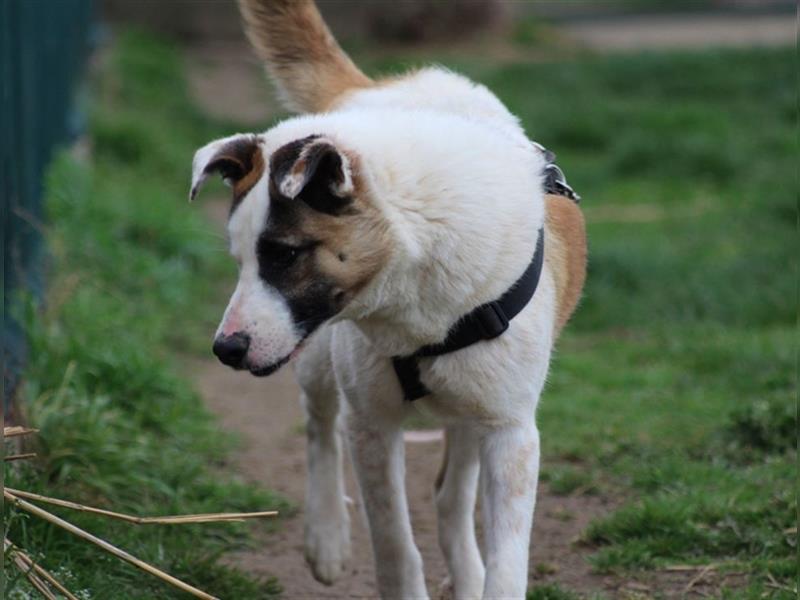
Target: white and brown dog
<point>376,222</point>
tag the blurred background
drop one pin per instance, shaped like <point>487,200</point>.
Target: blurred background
<point>669,423</point>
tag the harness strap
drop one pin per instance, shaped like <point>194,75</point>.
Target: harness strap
<point>486,322</point>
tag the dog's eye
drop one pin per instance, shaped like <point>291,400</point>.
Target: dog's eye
<point>286,254</point>
<point>277,254</point>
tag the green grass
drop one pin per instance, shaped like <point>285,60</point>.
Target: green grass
<point>132,268</point>
<point>556,592</point>
<point>677,376</point>
<point>565,480</point>
<point>675,384</point>
<point>550,592</point>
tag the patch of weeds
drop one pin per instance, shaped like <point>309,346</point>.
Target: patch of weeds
<point>765,426</point>
<point>566,480</point>
<point>543,569</point>
<point>737,521</point>
<point>550,592</point>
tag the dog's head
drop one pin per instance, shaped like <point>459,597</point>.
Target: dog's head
<point>305,233</point>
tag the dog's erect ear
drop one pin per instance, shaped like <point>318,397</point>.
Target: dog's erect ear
<point>315,171</point>
<point>238,159</point>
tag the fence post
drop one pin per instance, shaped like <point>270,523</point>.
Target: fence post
<point>43,45</point>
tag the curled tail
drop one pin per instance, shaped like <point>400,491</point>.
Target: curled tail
<point>301,55</point>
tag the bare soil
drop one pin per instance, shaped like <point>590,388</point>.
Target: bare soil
<point>637,33</point>
<point>268,417</point>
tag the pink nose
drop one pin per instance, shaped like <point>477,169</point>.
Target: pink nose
<point>232,322</point>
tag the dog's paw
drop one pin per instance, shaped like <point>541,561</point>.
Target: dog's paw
<point>470,589</point>
<point>327,550</point>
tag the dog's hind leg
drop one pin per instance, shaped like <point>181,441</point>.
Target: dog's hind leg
<point>456,488</point>
<point>327,527</point>
<point>509,474</point>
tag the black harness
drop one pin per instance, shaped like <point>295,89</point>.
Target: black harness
<point>490,320</point>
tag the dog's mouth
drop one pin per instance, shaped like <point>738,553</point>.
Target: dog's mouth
<point>269,369</point>
<point>264,371</point>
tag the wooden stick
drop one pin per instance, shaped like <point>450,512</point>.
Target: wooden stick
<point>17,430</point>
<point>13,457</point>
<point>167,520</point>
<point>716,565</point>
<point>31,576</point>
<point>773,583</point>
<point>680,568</point>
<point>694,580</point>
<point>50,518</point>
<point>40,570</point>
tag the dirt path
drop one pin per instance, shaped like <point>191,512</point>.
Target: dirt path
<point>267,415</point>
<point>652,32</point>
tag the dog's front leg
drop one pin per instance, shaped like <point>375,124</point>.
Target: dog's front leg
<point>376,447</point>
<point>509,474</point>
<point>327,528</point>
<point>456,488</point>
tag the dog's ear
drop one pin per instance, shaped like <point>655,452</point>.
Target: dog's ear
<point>315,171</point>
<point>238,159</point>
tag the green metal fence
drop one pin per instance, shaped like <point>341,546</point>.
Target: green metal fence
<point>43,47</point>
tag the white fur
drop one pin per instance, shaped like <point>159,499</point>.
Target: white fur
<point>459,184</point>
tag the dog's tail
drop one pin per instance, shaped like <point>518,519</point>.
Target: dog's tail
<point>301,55</point>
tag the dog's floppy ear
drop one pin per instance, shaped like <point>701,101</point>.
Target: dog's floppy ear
<point>315,171</point>
<point>238,159</point>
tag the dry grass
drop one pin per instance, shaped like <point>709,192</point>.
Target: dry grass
<point>45,583</point>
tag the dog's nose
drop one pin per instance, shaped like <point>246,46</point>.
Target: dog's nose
<point>231,349</point>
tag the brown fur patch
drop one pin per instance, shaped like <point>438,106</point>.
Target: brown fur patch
<point>519,478</point>
<point>565,253</point>
<point>360,236</point>
<point>341,241</point>
<point>246,183</point>
<point>241,162</point>
<point>308,66</point>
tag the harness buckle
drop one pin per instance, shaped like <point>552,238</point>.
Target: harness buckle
<point>491,320</point>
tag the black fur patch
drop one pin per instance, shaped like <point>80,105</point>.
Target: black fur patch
<point>292,271</point>
<point>289,264</point>
<point>283,159</point>
<point>321,169</point>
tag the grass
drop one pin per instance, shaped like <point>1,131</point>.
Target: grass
<point>675,384</point>
<point>566,480</point>
<point>682,349</point>
<point>120,428</point>
<point>550,592</point>
<point>555,592</point>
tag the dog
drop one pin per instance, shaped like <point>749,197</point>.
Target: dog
<point>365,230</point>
